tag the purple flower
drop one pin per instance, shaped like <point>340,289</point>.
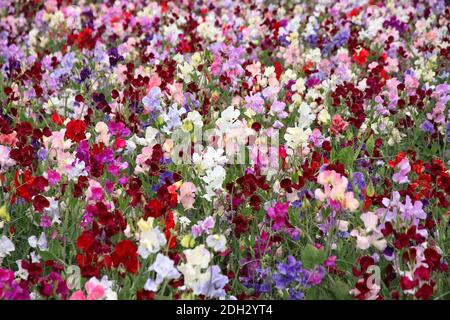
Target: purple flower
<point>114,56</point>
<point>412,212</point>
<point>10,288</point>
<point>341,38</point>
<point>358,180</point>
<point>427,126</point>
<point>84,74</point>
<point>255,102</point>
<point>402,176</point>
<point>448,132</point>
<point>203,226</point>
<point>118,129</point>
<point>214,288</point>
<point>288,272</point>
<point>153,99</point>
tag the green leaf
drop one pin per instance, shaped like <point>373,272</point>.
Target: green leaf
<point>345,156</point>
<point>311,256</point>
<point>341,290</point>
<point>370,144</point>
<point>292,216</point>
<point>47,255</point>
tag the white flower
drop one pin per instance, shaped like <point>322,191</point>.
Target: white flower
<point>208,159</point>
<point>148,140</point>
<point>297,137</point>
<point>228,119</point>
<point>370,235</point>
<point>324,116</point>
<point>6,247</point>
<point>53,210</point>
<point>164,268</point>
<point>150,239</point>
<point>184,222</point>
<point>196,118</point>
<point>21,272</point>
<point>370,220</point>
<point>214,180</point>
<point>217,242</point>
<point>306,116</point>
<point>77,170</point>
<point>40,243</point>
<point>199,256</point>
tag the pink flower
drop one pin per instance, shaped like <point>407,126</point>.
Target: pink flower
<point>176,91</point>
<point>95,191</point>
<point>334,191</point>
<point>53,177</point>
<point>338,125</point>
<point>279,215</point>
<point>187,194</point>
<point>94,290</point>
<point>402,176</point>
<point>78,295</point>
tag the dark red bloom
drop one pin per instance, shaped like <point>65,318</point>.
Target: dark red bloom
<point>145,295</point>
<point>40,203</point>
<point>255,202</point>
<point>407,284</point>
<point>85,241</point>
<point>387,229</point>
<point>76,130</point>
<point>241,224</point>
<point>422,273</point>
<point>364,262</point>
<point>425,292</point>
<point>125,253</point>
<point>433,258</point>
<point>154,209</point>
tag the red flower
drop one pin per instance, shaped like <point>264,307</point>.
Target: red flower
<point>154,209</point>
<point>255,202</point>
<point>241,225</point>
<point>278,69</point>
<point>433,258</point>
<point>364,262</point>
<point>125,253</point>
<point>23,155</point>
<point>85,241</point>
<point>361,57</point>
<point>425,292</point>
<point>76,130</point>
<point>387,229</point>
<point>407,284</point>
<point>422,273</point>
<point>40,203</point>
<point>401,240</point>
<point>145,295</point>
<point>56,118</point>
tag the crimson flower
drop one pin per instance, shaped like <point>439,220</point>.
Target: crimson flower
<point>76,130</point>
<point>40,203</point>
<point>125,253</point>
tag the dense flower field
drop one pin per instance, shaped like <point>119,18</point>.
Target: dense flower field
<point>224,149</point>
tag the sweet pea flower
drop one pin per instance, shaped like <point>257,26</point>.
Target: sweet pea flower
<point>334,192</point>
<point>402,175</point>
<point>187,194</point>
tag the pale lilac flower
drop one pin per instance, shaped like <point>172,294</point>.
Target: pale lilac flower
<point>402,175</point>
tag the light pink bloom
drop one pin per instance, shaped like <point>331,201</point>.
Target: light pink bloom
<point>187,194</point>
